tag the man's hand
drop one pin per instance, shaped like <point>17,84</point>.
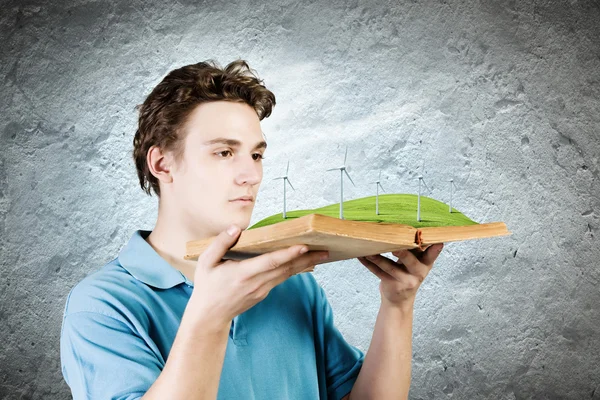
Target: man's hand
<point>401,279</point>
<point>224,289</point>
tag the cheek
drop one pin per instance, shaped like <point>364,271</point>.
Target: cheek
<point>197,179</point>
<point>211,183</point>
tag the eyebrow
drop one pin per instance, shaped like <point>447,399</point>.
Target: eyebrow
<point>234,143</point>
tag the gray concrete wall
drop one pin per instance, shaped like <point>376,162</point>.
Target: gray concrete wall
<point>504,95</point>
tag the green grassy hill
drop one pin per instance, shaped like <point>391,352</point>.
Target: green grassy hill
<point>393,208</point>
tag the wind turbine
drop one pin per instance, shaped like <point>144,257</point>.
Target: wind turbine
<point>342,170</point>
<point>419,198</point>
<point>285,179</point>
<point>377,197</point>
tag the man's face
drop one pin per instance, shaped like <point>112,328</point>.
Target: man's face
<point>213,173</point>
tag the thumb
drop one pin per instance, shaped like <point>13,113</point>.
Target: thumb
<point>219,246</point>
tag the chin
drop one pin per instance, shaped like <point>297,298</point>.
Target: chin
<point>239,216</point>
<point>243,221</point>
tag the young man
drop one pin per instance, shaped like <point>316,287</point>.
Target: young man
<point>152,325</point>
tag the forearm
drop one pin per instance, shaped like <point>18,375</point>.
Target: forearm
<point>386,369</point>
<point>193,368</point>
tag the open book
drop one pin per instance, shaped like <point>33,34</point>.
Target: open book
<point>345,239</point>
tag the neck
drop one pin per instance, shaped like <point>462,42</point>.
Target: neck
<point>169,236</point>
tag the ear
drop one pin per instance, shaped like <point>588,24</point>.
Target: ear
<point>160,164</point>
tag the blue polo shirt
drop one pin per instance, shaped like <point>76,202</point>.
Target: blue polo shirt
<point>120,322</point>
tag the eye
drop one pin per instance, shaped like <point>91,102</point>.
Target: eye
<point>224,151</point>
<point>260,156</point>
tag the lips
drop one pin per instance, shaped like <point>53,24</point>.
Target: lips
<point>245,198</point>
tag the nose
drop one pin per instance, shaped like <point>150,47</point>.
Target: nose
<point>249,171</point>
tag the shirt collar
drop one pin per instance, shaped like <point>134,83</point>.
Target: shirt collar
<point>146,265</point>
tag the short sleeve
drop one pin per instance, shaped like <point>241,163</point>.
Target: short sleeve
<point>102,358</point>
<point>342,360</point>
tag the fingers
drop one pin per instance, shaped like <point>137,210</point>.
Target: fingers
<point>432,253</point>
<point>407,265</point>
<point>381,274</point>
<point>394,270</point>
<point>426,257</point>
<point>274,276</point>
<point>274,259</point>
<point>219,246</point>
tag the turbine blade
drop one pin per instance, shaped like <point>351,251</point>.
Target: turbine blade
<point>281,177</point>
<point>331,169</point>
<point>288,181</point>
<point>426,185</point>
<point>379,175</point>
<point>288,168</point>
<point>349,177</point>
<point>346,155</point>
<point>381,186</point>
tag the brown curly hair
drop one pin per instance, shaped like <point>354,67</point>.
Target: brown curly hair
<point>165,111</point>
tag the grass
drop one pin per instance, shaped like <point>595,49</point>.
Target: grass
<point>393,208</point>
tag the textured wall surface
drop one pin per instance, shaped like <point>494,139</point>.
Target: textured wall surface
<point>501,96</point>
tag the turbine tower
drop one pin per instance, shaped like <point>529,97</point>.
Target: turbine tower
<point>451,186</point>
<point>285,179</point>
<point>419,198</point>
<point>377,196</point>
<point>342,170</point>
